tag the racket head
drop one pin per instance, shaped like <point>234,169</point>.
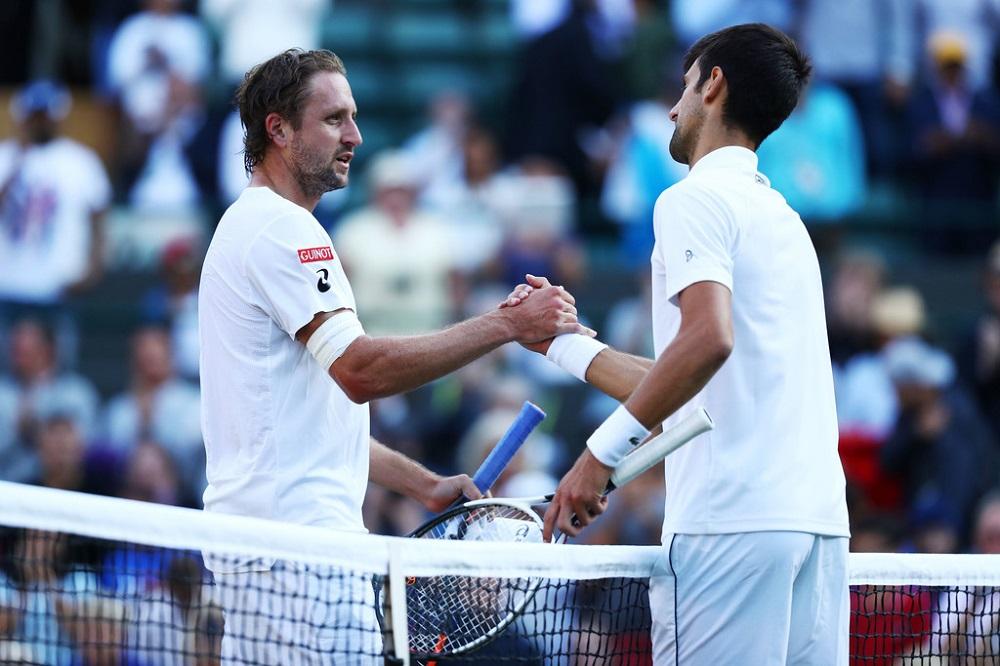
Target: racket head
<point>458,614</point>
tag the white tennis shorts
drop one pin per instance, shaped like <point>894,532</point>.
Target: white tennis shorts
<point>299,615</point>
<point>762,598</point>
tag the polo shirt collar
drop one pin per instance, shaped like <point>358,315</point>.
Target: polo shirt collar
<point>739,158</point>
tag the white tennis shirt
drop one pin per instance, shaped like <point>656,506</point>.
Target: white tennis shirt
<point>771,463</point>
<point>282,440</point>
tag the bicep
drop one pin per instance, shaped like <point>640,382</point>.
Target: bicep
<point>707,307</point>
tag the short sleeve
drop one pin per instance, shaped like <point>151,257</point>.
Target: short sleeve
<point>696,238</point>
<point>98,192</point>
<point>296,273</point>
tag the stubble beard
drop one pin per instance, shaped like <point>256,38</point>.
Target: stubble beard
<point>684,138</point>
<point>314,173</point>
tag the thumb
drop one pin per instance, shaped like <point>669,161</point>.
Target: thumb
<point>469,488</point>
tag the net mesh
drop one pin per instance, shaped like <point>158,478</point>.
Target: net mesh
<point>191,588</point>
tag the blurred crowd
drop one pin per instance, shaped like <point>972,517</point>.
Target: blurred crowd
<point>554,173</point>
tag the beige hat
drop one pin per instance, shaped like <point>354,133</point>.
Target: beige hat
<point>898,311</point>
<point>392,169</point>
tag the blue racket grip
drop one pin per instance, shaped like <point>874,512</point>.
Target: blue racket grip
<point>493,466</point>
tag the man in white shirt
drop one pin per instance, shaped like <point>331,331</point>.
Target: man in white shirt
<point>287,370</point>
<point>54,193</point>
<point>756,519</point>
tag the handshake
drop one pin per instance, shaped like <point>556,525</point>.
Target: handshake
<point>539,311</point>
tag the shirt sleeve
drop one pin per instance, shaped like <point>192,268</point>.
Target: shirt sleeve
<point>696,238</point>
<point>296,274</point>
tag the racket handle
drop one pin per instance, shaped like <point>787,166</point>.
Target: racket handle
<point>660,447</point>
<point>493,466</point>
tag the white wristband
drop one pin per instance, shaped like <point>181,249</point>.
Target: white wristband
<point>616,437</point>
<point>574,353</point>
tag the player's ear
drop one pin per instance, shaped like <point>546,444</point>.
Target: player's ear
<point>276,129</point>
<point>714,86</point>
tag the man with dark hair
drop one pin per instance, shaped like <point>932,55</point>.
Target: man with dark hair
<point>756,517</point>
<point>287,370</point>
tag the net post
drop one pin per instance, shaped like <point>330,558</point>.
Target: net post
<point>397,652</point>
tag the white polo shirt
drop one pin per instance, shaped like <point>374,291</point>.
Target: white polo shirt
<point>771,463</point>
<point>282,440</point>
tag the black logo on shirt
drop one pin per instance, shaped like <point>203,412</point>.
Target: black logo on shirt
<point>324,280</point>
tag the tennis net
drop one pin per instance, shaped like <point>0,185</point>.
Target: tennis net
<point>92,580</point>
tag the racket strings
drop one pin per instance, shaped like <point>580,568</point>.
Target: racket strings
<point>468,611</point>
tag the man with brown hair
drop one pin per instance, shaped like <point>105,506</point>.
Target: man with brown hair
<point>287,370</point>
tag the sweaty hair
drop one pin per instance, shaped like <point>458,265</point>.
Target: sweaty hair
<point>765,74</point>
<point>279,85</point>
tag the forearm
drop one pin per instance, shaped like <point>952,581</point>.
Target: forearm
<point>616,373</point>
<point>372,368</point>
<point>394,471</point>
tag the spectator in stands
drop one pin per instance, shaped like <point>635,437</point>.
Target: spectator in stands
<point>253,30</point>
<point>53,196</point>
<point>846,42</point>
<point>34,392</point>
<point>867,404</point>
<point>640,169</point>
<point>951,141</point>
<point>151,476</point>
<point>986,525</point>
<point>537,208</point>
<point>940,447</point>
<point>694,18</point>
<point>563,89</point>
<point>980,359</point>
<point>468,201</point>
<point>156,62</point>
<point>160,407</point>
<point>401,259</point>
<point>42,584</point>
<point>816,159</point>
<point>61,454</point>
<point>174,302</point>
<point>858,278</point>
<point>439,146</point>
<point>179,618</point>
<point>977,22</point>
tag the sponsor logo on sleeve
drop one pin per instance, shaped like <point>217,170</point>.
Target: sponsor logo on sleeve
<point>324,280</point>
<point>310,254</point>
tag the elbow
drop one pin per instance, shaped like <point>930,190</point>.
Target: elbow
<point>358,383</point>
<point>358,388</point>
<point>718,347</point>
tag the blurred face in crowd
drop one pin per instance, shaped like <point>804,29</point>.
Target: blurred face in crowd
<point>60,451</point>
<point>321,148</point>
<point>31,352</point>
<point>150,476</point>
<point>151,357</point>
<point>987,532</point>
<point>689,116</point>
<point>38,128</point>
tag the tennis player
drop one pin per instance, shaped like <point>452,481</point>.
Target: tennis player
<point>755,532</point>
<point>287,370</point>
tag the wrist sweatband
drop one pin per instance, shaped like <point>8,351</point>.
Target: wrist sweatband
<point>328,342</point>
<point>616,437</point>
<point>574,353</point>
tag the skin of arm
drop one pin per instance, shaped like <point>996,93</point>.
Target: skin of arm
<point>372,368</point>
<point>702,345</point>
<point>391,469</point>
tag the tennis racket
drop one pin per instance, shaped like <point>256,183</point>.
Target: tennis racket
<point>489,471</point>
<point>457,614</point>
